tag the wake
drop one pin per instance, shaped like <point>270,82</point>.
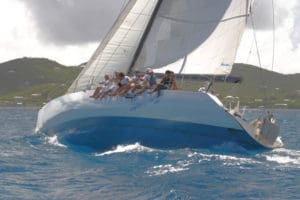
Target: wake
<point>131,148</point>
<point>284,157</point>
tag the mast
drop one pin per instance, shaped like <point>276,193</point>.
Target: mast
<point>144,37</point>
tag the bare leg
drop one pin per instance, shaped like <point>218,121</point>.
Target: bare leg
<point>96,92</point>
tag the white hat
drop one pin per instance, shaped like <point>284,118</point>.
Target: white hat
<point>149,70</point>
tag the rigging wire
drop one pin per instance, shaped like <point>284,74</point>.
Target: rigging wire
<point>255,41</point>
<point>258,56</point>
<point>273,20</point>
<point>123,5</point>
<point>273,36</point>
<point>250,53</point>
<point>257,49</point>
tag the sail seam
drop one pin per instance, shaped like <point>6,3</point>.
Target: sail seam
<point>129,29</point>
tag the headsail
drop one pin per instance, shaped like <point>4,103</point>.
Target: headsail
<point>195,36</point>
<point>118,48</point>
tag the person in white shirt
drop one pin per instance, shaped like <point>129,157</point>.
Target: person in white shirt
<point>102,86</point>
<point>123,84</point>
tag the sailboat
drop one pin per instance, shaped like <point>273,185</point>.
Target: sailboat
<point>189,37</point>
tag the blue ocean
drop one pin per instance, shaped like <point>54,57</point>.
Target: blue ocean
<point>34,166</point>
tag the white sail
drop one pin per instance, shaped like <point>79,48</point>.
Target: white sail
<point>186,36</point>
<point>118,48</point>
<point>195,36</point>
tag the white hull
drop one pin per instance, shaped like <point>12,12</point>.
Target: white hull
<point>195,113</point>
<point>199,108</point>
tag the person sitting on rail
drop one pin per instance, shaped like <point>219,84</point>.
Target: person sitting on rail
<point>123,84</point>
<point>112,87</point>
<point>149,81</point>
<point>167,82</point>
<point>102,86</point>
<point>136,84</point>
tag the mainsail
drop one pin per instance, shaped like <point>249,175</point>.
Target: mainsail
<point>186,36</point>
<point>117,50</point>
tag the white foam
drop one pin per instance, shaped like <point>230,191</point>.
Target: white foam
<point>287,152</point>
<point>126,149</point>
<point>283,159</point>
<point>284,156</point>
<point>164,169</point>
<point>185,163</point>
<point>226,159</point>
<point>54,141</point>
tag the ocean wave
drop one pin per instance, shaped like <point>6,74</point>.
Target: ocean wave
<point>137,147</point>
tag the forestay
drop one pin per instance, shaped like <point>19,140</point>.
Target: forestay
<point>118,48</point>
<point>195,36</point>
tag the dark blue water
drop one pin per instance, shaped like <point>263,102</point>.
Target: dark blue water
<point>36,167</point>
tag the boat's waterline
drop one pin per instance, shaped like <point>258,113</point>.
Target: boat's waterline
<point>173,119</point>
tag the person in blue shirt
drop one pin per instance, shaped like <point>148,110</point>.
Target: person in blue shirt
<point>149,81</point>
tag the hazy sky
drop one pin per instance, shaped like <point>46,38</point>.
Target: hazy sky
<point>68,31</point>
